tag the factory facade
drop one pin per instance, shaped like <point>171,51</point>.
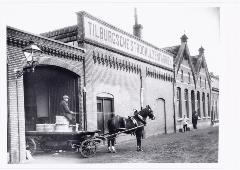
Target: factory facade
<point>103,70</point>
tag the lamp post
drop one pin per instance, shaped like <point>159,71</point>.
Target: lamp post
<point>29,52</point>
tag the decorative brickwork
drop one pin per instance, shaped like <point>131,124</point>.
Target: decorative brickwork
<point>53,53</point>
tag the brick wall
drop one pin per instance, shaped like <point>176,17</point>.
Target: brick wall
<point>16,60</point>
<point>15,106</point>
<point>124,84</point>
<point>185,67</point>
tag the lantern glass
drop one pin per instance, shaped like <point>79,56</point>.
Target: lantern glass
<point>30,50</point>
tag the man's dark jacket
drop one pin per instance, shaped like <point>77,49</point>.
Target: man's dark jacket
<point>64,109</point>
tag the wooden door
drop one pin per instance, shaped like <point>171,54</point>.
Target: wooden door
<point>104,110</point>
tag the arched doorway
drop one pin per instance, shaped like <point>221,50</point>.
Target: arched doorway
<point>105,107</point>
<point>43,91</point>
<point>198,104</point>
<point>193,101</point>
<point>179,102</point>
<point>161,116</point>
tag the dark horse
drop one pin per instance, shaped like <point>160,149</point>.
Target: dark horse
<point>128,125</point>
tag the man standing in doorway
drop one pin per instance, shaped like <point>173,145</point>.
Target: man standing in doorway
<point>194,119</point>
<point>66,112</point>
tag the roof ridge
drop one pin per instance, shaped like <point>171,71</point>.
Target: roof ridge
<point>60,31</point>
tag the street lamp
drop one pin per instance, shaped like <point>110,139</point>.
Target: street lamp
<point>29,52</point>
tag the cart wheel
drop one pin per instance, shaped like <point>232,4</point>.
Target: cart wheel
<point>31,145</point>
<point>88,148</point>
<point>46,148</point>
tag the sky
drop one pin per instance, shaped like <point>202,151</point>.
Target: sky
<point>163,24</point>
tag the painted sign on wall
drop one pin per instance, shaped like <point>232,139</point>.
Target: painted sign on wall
<point>109,36</point>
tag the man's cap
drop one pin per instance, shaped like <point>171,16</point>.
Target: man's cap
<point>65,96</point>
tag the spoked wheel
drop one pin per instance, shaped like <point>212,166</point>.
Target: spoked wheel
<point>45,147</point>
<point>31,145</point>
<point>88,148</point>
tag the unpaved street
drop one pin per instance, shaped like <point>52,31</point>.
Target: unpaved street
<point>199,145</point>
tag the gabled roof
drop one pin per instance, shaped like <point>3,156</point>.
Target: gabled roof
<point>65,34</point>
<point>198,62</point>
<point>178,52</point>
<point>194,61</point>
<point>172,50</point>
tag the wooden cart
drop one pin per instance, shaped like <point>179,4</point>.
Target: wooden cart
<point>83,141</point>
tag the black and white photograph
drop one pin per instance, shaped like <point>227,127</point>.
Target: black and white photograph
<point>113,83</point>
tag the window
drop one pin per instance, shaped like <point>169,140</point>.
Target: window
<point>179,102</point>
<point>182,75</point>
<point>205,83</point>
<point>189,78</point>
<point>216,110</point>
<point>186,102</point>
<point>203,103</point>
<point>200,81</point>
<point>208,102</point>
<point>198,104</point>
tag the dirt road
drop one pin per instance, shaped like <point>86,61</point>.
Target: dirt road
<point>196,146</point>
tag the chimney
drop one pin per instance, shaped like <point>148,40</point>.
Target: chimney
<point>184,39</point>
<point>201,50</point>
<point>137,28</point>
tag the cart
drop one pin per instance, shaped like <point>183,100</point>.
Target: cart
<point>84,142</point>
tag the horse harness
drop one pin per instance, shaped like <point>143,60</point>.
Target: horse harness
<point>134,120</point>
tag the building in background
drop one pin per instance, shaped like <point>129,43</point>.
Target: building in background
<point>215,98</point>
<point>193,84</point>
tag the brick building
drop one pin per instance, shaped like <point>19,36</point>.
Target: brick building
<point>34,97</point>
<point>103,69</point>
<point>116,72</point>
<point>123,72</point>
<point>215,98</point>
<point>193,84</point>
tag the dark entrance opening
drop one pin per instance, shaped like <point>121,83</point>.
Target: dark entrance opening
<point>43,91</point>
<point>104,110</point>
<point>193,101</point>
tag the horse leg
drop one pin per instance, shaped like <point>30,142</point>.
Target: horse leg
<point>113,142</point>
<point>139,143</point>
<point>109,148</point>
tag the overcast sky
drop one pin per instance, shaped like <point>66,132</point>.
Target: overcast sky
<point>163,24</point>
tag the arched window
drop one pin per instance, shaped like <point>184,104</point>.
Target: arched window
<point>203,103</point>
<point>198,104</point>
<point>216,113</point>
<point>182,75</point>
<point>200,82</point>
<point>179,102</point>
<point>189,78</point>
<point>186,102</point>
<point>208,102</point>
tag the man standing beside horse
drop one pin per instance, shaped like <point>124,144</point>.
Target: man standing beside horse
<point>112,130</point>
<point>131,125</point>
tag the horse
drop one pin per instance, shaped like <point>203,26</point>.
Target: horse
<point>131,125</point>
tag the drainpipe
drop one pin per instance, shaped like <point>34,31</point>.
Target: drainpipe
<point>18,123</point>
<point>141,90</point>
<point>174,112</point>
<point>84,97</point>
